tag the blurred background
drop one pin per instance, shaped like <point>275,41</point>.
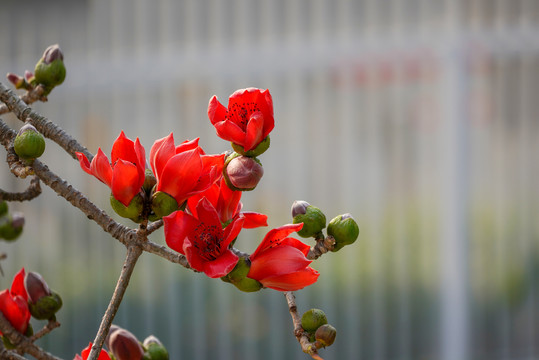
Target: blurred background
<point>419,117</point>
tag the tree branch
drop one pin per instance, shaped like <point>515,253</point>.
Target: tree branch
<point>33,191</point>
<point>133,253</point>
<point>300,334</point>
<point>50,326</point>
<point>323,245</point>
<point>22,342</point>
<point>42,124</point>
<point>29,97</point>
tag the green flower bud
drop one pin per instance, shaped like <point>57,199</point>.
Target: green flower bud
<point>344,230</point>
<point>3,207</point>
<point>238,277</point>
<point>259,149</point>
<point>242,173</point>
<point>154,349</point>
<point>50,70</point>
<point>46,306</point>
<point>29,143</point>
<point>149,181</point>
<point>132,211</point>
<point>163,204</point>
<point>313,218</point>
<point>312,319</point>
<point>325,335</point>
<point>11,226</point>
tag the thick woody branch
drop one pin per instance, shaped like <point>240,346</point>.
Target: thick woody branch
<point>31,96</point>
<point>302,337</point>
<point>51,325</point>
<point>22,342</point>
<point>8,354</point>
<point>133,253</point>
<point>42,124</point>
<point>33,190</point>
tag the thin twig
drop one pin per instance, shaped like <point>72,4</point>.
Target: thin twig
<point>33,191</point>
<point>133,253</point>
<point>299,333</point>
<point>322,246</point>
<point>50,326</point>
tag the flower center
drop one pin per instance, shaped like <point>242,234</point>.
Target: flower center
<point>208,241</point>
<point>242,113</point>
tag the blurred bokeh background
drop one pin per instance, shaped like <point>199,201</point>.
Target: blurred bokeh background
<point>419,117</point>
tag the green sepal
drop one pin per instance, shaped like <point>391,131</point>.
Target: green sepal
<point>238,277</point>
<point>312,319</point>
<point>132,211</point>
<point>46,306</point>
<point>163,204</point>
<point>258,150</point>
<point>313,221</point>
<point>344,230</point>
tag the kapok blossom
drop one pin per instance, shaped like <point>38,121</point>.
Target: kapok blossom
<point>247,121</point>
<point>14,303</point>
<point>203,240</point>
<point>103,355</point>
<point>228,205</point>
<point>125,173</point>
<point>184,170</point>
<point>280,262</point>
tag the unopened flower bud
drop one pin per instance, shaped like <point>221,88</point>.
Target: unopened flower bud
<point>312,319</point>
<point>242,173</point>
<point>149,181</point>
<point>238,277</point>
<point>325,335</point>
<point>259,149</point>
<point>50,70</point>
<point>132,211</point>
<point>3,207</point>
<point>154,349</point>
<point>29,144</point>
<point>35,286</point>
<point>11,226</point>
<point>16,80</point>
<point>344,230</point>
<point>163,204</point>
<point>313,218</point>
<point>29,76</point>
<point>124,345</point>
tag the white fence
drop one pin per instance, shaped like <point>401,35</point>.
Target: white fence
<point>419,117</point>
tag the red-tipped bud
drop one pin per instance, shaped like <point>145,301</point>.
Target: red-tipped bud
<point>29,143</point>
<point>50,70</point>
<point>242,173</point>
<point>124,345</point>
<point>154,349</point>
<point>16,80</point>
<point>36,287</point>
<point>52,53</point>
<point>313,218</point>
<point>344,230</point>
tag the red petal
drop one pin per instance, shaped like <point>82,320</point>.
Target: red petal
<point>212,194</point>
<point>254,220</point>
<point>125,182</point>
<point>253,135</point>
<point>232,231</point>
<point>216,111</point>
<point>208,215</point>
<point>180,175</point>
<point>17,286</point>
<point>228,130</point>
<point>103,355</point>
<point>275,236</point>
<point>187,145</point>
<point>293,281</point>
<point>123,148</point>
<point>304,248</point>
<point>177,226</point>
<point>193,256</point>
<point>229,202</point>
<point>84,163</point>
<point>141,160</point>
<point>222,265</point>
<point>15,309</point>
<point>100,167</point>
<point>162,150</point>
<point>277,261</point>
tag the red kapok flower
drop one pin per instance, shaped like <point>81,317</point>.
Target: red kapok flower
<point>184,170</point>
<point>13,303</point>
<point>248,119</point>
<point>125,173</point>
<point>227,204</point>
<point>86,352</point>
<point>203,240</point>
<point>280,262</point>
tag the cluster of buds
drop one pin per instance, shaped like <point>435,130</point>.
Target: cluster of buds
<point>343,228</point>
<point>315,323</point>
<point>11,224</point>
<point>124,345</point>
<point>49,72</point>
